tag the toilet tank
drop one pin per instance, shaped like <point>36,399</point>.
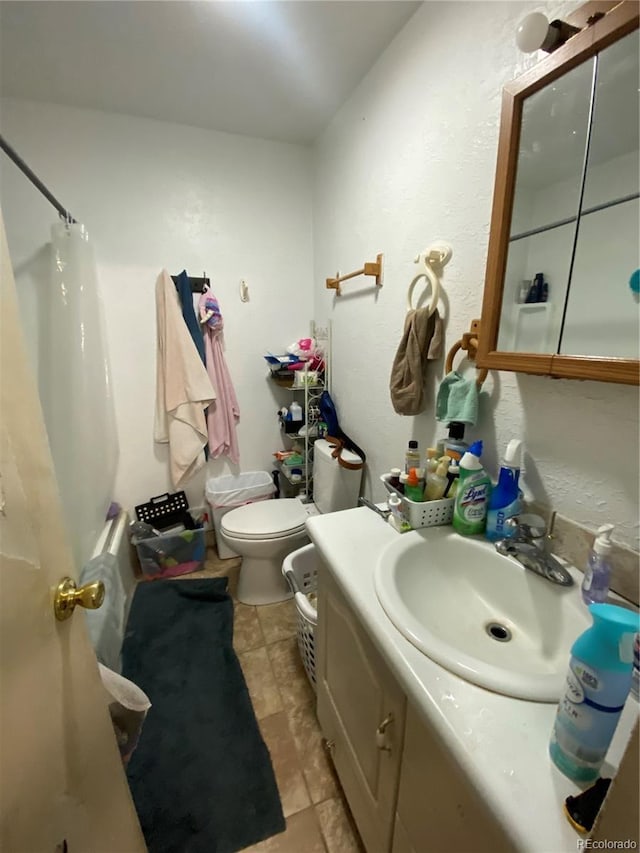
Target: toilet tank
<point>334,487</point>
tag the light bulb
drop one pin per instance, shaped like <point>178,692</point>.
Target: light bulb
<point>532,32</point>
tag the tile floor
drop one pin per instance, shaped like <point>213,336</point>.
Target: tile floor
<point>318,820</point>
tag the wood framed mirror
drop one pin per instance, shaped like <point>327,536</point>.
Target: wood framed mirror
<point>561,294</point>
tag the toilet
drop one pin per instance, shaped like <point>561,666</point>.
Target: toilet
<point>263,533</point>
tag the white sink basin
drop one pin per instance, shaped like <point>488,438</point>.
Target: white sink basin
<point>479,614</point>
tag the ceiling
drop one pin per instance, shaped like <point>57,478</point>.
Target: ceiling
<point>277,69</point>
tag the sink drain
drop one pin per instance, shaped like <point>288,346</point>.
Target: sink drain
<point>498,632</point>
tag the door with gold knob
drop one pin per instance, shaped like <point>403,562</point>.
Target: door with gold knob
<point>62,786</point>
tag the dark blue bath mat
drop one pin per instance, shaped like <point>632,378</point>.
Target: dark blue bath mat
<point>201,777</point>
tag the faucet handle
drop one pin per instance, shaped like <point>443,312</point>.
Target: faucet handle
<point>526,526</point>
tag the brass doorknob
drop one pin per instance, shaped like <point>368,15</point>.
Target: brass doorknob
<point>68,595</point>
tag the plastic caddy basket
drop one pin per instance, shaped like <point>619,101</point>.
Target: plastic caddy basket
<point>300,568</point>
<point>171,554</point>
<point>423,513</point>
<point>174,552</point>
<point>233,490</point>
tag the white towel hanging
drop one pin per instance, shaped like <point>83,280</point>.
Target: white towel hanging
<point>434,260</point>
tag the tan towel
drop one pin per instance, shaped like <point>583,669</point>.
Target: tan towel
<point>183,387</point>
<point>421,342</point>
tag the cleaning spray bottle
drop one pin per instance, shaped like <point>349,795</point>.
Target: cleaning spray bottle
<point>504,502</point>
<point>598,683</point>
<point>472,496</point>
<point>595,585</point>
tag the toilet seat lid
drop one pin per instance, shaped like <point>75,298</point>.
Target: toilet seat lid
<point>265,519</point>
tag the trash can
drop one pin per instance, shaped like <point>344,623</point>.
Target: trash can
<point>231,491</point>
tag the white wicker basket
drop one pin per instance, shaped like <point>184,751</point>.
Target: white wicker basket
<point>300,570</point>
<point>423,513</point>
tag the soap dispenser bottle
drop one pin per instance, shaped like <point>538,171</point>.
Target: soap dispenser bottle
<point>597,687</point>
<point>597,573</point>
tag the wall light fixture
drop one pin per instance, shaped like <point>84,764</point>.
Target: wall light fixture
<point>535,32</point>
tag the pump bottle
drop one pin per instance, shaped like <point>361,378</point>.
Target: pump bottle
<point>598,683</point>
<point>597,574</point>
<point>454,445</point>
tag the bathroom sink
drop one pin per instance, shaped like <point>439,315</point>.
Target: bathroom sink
<point>479,614</point>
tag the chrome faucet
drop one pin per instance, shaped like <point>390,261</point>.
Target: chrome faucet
<point>523,546</point>
<point>385,513</point>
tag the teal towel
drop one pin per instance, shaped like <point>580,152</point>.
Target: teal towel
<point>457,399</point>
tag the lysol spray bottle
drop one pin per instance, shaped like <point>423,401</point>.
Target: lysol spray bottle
<point>472,496</point>
<point>597,686</point>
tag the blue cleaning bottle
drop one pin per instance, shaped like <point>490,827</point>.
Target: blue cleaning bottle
<point>504,502</point>
<point>598,683</point>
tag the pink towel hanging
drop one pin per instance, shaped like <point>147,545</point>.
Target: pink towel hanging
<point>224,413</point>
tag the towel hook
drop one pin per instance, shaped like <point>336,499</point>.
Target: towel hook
<point>434,260</point>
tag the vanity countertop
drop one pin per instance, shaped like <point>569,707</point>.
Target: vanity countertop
<point>500,742</point>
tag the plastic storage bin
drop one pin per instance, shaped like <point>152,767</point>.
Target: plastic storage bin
<point>300,568</point>
<point>171,554</point>
<point>233,490</point>
<point>423,513</point>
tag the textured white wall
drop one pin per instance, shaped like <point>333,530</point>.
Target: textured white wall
<point>154,195</point>
<point>411,158</point>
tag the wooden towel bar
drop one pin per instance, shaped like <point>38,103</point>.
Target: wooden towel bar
<point>373,268</point>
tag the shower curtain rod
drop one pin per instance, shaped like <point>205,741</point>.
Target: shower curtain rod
<point>35,180</point>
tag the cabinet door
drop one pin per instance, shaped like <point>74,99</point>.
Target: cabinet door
<point>401,840</point>
<point>438,808</point>
<point>361,712</point>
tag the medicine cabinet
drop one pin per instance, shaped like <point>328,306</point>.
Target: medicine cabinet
<point>561,290</point>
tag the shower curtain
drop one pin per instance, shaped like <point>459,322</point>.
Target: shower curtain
<point>75,388</point>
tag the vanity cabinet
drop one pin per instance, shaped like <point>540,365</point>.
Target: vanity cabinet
<point>406,793</point>
<point>437,807</point>
<point>361,710</point>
